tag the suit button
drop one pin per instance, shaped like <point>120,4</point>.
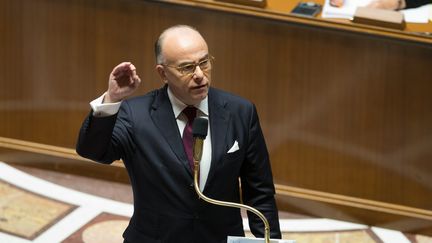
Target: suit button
<point>191,185</point>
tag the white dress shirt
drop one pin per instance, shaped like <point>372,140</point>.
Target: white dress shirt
<point>107,109</point>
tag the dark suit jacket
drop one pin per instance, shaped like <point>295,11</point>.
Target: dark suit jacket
<point>416,3</point>
<point>145,135</point>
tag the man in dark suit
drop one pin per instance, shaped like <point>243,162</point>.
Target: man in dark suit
<point>146,133</point>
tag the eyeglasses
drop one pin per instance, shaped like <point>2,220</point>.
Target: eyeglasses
<point>189,69</point>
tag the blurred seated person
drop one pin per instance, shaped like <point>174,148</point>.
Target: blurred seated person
<point>397,4</point>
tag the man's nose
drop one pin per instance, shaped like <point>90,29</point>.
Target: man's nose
<point>198,74</point>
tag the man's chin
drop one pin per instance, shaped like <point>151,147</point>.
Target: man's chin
<point>201,97</point>
<point>198,98</point>
<point>200,93</point>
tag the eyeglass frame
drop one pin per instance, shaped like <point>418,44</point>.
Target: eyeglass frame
<point>209,58</point>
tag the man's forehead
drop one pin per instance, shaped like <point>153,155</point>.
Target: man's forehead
<point>182,37</point>
<point>185,46</point>
<point>197,58</point>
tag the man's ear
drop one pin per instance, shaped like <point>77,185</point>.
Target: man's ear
<point>161,71</point>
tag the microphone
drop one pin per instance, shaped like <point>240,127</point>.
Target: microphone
<point>199,132</point>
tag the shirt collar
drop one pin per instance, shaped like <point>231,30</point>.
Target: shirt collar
<point>178,105</point>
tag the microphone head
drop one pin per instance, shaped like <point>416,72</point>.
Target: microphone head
<point>199,127</point>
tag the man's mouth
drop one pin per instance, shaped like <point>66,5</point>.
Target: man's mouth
<point>200,86</point>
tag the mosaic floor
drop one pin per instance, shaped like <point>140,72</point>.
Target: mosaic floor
<point>38,211</point>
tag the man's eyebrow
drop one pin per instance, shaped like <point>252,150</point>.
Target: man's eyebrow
<point>191,62</point>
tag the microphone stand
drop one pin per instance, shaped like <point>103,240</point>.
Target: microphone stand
<point>223,203</point>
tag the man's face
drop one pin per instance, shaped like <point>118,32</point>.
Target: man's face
<point>187,67</point>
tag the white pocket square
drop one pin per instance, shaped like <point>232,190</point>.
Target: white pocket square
<point>234,148</point>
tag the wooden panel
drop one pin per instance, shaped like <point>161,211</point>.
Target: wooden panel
<point>344,112</point>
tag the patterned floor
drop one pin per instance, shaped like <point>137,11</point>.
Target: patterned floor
<point>36,210</point>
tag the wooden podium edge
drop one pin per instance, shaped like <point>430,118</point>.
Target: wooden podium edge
<point>253,3</point>
<point>287,17</point>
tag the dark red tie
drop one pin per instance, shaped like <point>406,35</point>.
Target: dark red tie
<point>190,112</point>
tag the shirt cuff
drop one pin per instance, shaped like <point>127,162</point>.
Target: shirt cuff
<point>101,109</point>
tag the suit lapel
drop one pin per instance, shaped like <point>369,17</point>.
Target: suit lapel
<point>219,121</point>
<point>163,117</point>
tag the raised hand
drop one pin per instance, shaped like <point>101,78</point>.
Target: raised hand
<point>337,3</point>
<point>123,81</point>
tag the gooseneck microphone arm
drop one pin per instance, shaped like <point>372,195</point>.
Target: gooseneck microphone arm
<point>199,131</point>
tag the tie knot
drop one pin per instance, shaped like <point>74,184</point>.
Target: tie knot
<point>190,112</point>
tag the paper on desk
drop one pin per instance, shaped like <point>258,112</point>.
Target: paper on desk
<point>345,12</point>
<point>415,15</point>
<point>418,15</point>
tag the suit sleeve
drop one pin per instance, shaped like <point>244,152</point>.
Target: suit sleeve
<point>106,139</point>
<point>257,181</point>
<point>416,3</point>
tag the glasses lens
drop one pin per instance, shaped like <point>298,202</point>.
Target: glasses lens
<point>187,69</point>
<point>205,64</point>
